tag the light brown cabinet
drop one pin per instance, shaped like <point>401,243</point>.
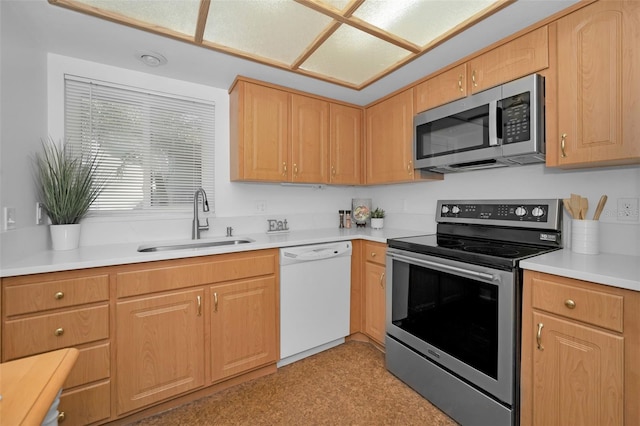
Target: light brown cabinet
<point>579,343</point>
<point>598,81</point>
<point>160,341</point>
<point>441,89</point>
<point>284,136</point>
<point>44,312</point>
<point>345,140</point>
<point>243,326</point>
<point>374,290</point>
<point>524,55</point>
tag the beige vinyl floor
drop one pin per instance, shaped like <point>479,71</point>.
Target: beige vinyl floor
<point>345,385</point>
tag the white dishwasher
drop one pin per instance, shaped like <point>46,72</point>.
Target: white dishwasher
<point>315,290</point>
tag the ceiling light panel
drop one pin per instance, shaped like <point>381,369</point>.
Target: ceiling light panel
<point>419,21</point>
<point>277,29</point>
<point>353,56</point>
<point>180,16</point>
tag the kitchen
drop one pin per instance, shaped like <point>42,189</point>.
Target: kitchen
<point>27,66</point>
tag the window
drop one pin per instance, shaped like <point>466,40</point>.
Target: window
<point>156,148</point>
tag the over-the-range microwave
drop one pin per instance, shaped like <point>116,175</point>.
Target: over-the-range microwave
<point>499,127</point>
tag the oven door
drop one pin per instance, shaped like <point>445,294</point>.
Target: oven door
<point>462,317</point>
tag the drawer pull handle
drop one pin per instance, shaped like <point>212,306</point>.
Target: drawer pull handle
<point>61,416</point>
<point>199,299</point>
<point>382,280</point>
<point>570,304</point>
<point>373,254</point>
<point>215,302</point>
<point>59,295</point>
<point>460,83</point>
<point>59,331</point>
<point>539,337</point>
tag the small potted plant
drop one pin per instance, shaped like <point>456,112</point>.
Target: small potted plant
<point>67,186</point>
<point>377,218</point>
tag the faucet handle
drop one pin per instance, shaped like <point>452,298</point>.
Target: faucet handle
<point>205,227</point>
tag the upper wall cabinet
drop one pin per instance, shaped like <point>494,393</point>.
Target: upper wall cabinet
<point>389,141</point>
<point>524,55</point>
<point>282,136</point>
<point>598,82</point>
<point>259,128</point>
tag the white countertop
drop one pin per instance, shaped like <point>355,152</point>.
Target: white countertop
<point>120,254</point>
<point>616,270</point>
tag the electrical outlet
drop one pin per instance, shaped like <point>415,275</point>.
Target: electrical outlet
<point>40,215</point>
<point>9,218</point>
<point>261,206</point>
<point>628,209</point>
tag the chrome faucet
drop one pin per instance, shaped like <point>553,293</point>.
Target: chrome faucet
<point>196,228</point>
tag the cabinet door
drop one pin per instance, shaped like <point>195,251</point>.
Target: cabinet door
<point>259,133</point>
<point>374,301</point>
<point>443,88</point>
<point>160,348</point>
<point>389,140</point>
<point>243,326</point>
<point>598,85</point>
<point>345,136</point>
<point>578,374</point>
<point>524,55</point>
<point>309,140</point>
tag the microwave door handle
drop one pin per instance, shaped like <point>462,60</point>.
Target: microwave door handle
<point>494,140</point>
<point>449,268</point>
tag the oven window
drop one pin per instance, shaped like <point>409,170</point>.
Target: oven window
<point>457,133</point>
<point>457,315</point>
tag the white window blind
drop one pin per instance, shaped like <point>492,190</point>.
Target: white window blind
<point>155,148</point>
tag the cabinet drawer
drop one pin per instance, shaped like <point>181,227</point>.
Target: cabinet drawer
<point>375,252</point>
<point>23,299</point>
<point>85,405</point>
<point>34,335</point>
<point>589,306</point>
<point>173,275</point>
<point>93,364</point>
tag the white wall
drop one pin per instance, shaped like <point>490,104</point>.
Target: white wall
<point>409,206</point>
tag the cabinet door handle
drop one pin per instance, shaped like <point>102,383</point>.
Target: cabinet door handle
<point>61,416</point>
<point>460,83</point>
<point>382,280</point>
<point>284,168</point>
<point>295,169</point>
<point>539,337</point>
<point>215,302</point>
<point>570,304</point>
<point>473,78</point>
<point>199,299</point>
<point>563,139</point>
<point>410,168</point>
<point>59,295</point>
<point>59,331</point>
<point>333,170</point>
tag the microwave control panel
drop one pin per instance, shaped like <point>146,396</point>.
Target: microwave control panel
<point>516,118</point>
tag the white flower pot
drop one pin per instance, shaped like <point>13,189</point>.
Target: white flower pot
<point>377,222</point>
<point>65,237</point>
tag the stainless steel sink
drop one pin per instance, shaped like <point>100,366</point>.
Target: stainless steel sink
<point>194,244</point>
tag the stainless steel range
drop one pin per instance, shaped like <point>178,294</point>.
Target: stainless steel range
<point>454,304</point>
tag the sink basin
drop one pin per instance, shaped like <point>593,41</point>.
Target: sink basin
<point>194,244</point>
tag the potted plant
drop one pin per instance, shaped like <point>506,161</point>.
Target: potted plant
<point>377,218</point>
<point>67,186</point>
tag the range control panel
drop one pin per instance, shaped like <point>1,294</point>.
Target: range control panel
<point>521,213</point>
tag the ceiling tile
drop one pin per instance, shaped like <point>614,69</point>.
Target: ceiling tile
<point>353,56</point>
<point>278,30</point>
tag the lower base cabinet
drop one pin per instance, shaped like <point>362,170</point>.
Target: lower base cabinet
<point>374,291</point>
<point>160,341</point>
<point>580,352</point>
<point>84,406</point>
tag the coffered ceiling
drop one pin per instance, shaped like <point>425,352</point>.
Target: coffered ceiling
<point>352,43</point>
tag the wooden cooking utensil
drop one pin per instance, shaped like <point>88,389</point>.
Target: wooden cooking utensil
<point>584,206</point>
<point>600,207</point>
<point>567,205</point>
<point>575,206</point>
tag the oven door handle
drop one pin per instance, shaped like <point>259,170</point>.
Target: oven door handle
<point>468,272</point>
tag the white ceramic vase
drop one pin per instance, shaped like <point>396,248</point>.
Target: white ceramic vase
<point>65,237</point>
<point>377,222</point>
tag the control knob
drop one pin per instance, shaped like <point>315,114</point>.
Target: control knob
<point>537,211</point>
<point>521,211</point>
<point>455,209</point>
<point>445,209</point>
